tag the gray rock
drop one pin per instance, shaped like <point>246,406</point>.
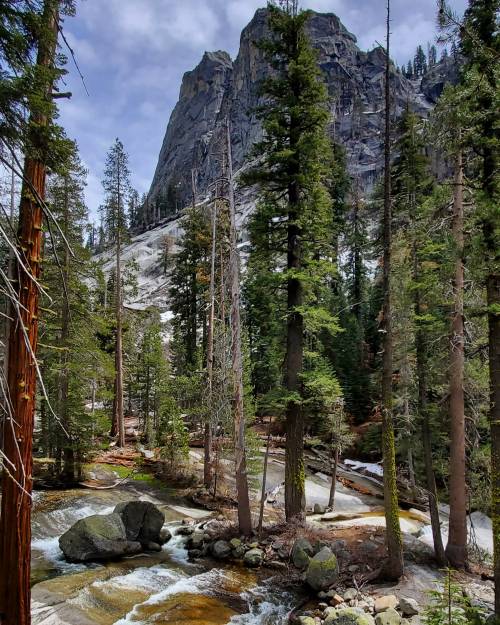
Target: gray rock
<point>184,530</point>
<point>447,71</point>
<point>219,87</point>
<point>238,552</point>
<point>302,552</point>
<point>348,616</point>
<point>152,546</point>
<point>322,570</point>
<point>253,558</point>
<point>388,617</point>
<point>142,519</point>
<point>319,509</point>
<point>196,540</point>
<point>165,535</point>
<point>385,603</point>
<point>221,549</point>
<point>408,606</point>
<point>97,537</point>
<point>350,594</point>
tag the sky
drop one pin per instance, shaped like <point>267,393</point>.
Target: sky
<point>133,54</point>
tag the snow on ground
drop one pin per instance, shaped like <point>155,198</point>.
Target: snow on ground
<point>370,467</point>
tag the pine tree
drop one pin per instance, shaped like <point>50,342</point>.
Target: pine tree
<point>69,351</point>
<point>432,55</point>
<point>116,184</point>
<point>393,568</point>
<point>411,184</point>
<point>480,43</point>
<point>294,160</point>
<point>420,62</point>
<point>189,279</point>
<point>40,150</point>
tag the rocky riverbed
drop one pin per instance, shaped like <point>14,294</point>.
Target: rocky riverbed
<point>207,574</point>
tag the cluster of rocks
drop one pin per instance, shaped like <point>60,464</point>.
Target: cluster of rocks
<point>251,553</point>
<point>352,607</point>
<point>318,563</point>
<point>131,528</point>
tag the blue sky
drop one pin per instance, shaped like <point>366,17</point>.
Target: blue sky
<point>133,54</point>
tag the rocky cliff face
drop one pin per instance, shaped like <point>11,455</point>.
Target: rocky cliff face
<point>219,88</point>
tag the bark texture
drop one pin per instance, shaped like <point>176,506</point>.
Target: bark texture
<point>244,516</point>
<point>15,518</point>
<point>393,567</point>
<point>456,549</point>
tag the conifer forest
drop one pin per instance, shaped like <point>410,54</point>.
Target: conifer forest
<point>258,384</point>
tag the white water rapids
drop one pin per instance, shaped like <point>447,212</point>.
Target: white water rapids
<point>142,590</point>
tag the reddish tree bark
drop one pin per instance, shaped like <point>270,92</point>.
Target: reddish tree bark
<point>15,519</point>
<point>456,549</point>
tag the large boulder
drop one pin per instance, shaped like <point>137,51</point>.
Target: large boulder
<point>322,570</point>
<point>302,552</point>
<point>143,521</point>
<point>97,537</point>
<point>221,549</point>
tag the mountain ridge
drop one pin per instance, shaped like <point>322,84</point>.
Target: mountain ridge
<point>219,88</point>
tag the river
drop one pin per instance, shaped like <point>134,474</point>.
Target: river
<point>147,589</point>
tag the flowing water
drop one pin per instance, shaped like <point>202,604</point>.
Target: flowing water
<point>163,588</point>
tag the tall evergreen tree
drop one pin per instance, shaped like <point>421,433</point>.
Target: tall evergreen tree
<point>480,44</point>
<point>116,184</point>
<point>295,201</point>
<point>411,184</point>
<point>40,150</point>
<point>70,356</point>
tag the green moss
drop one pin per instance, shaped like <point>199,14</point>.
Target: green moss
<point>300,479</point>
<point>130,473</point>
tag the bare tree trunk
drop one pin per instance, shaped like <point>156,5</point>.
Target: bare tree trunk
<point>456,549</point>
<point>68,473</point>
<point>333,485</point>
<point>147,408</point>
<point>493,299</point>
<point>393,568</point>
<point>118,404</point>
<point>295,496</point>
<point>15,519</point>
<point>264,477</point>
<point>423,411</point>
<point>244,516</point>
<point>207,466</point>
